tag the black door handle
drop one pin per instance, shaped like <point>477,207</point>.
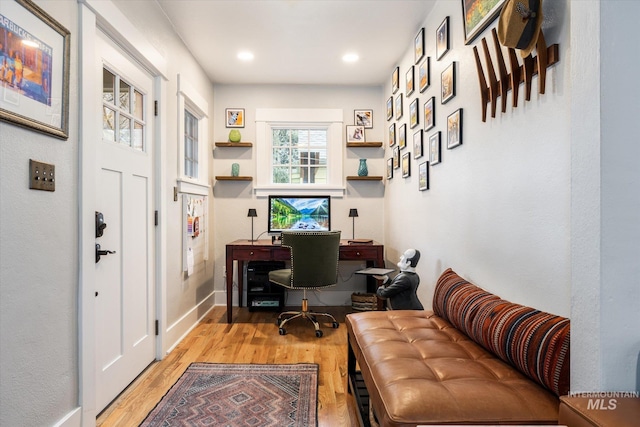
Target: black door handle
<point>100,252</point>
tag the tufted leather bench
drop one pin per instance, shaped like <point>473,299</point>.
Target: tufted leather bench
<point>419,368</point>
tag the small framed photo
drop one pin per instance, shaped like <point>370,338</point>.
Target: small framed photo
<point>423,176</point>
<point>434,148</point>
<point>417,144</point>
<point>409,81</point>
<point>406,165</point>
<point>477,15</point>
<point>448,81</point>
<point>392,135</point>
<point>355,133</point>
<point>390,108</point>
<point>429,113</point>
<point>413,113</point>
<point>402,136</point>
<point>418,46</point>
<point>395,80</point>
<point>399,111</point>
<point>424,75</point>
<point>235,117</point>
<point>396,157</point>
<point>390,168</point>
<point>454,129</point>
<point>363,118</point>
<point>442,39</point>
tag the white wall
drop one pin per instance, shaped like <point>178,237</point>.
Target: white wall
<point>233,199</point>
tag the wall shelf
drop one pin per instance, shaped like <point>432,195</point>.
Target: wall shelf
<point>364,178</point>
<point>234,178</point>
<point>234,144</point>
<point>364,144</point>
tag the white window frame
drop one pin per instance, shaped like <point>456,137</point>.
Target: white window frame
<point>267,118</point>
<point>189,99</point>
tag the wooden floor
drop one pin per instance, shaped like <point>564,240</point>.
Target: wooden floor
<point>252,338</point>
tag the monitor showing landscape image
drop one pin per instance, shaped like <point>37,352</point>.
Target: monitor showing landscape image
<point>300,213</point>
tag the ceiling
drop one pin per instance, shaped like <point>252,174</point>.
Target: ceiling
<point>297,41</point>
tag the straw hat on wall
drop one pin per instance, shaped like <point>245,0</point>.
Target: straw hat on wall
<point>519,24</point>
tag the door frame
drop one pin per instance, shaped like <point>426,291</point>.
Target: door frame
<point>98,15</point>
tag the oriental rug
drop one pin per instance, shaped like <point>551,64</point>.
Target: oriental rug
<point>234,395</point>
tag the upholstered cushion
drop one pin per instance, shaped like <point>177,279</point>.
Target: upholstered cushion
<point>535,342</point>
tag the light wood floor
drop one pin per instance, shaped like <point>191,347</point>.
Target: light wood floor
<point>252,338</point>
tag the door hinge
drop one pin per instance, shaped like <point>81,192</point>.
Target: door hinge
<point>155,218</point>
<point>155,108</point>
<point>157,328</point>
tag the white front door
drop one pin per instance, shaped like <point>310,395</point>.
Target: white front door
<point>124,288</point>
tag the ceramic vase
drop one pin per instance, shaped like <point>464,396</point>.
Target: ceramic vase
<point>362,169</point>
<point>235,169</point>
<point>234,135</point>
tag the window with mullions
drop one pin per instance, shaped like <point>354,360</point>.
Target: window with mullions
<point>190,145</point>
<point>122,112</point>
<point>299,155</point>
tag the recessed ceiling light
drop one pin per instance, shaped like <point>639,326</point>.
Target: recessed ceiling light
<point>350,57</point>
<point>245,56</point>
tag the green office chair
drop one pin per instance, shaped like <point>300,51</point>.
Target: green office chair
<point>314,265</point>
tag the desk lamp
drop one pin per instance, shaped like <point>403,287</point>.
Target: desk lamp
<point>252,213</point>
<point>353,213</point>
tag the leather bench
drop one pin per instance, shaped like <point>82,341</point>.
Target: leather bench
<point>474,359</point>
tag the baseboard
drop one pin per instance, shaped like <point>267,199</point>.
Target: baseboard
<point>181,328</point>
<point>72,419</point>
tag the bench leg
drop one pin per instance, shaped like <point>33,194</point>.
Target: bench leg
<point>357,387</point>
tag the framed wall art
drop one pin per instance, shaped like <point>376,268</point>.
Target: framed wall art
<point>399,111</point>
<point>235,117</point>
<point>390,108</point>
<point>423,176</point>
<point>429,113</point>
<point>392,135</point>
<point>434,148</point>
<point>390,168</point>
<point>477,15</point>
<point>413,113</point>
<point>406,165</point>
<point>442,39</point>
<point>363,118</point>
<point>448,83</point>
<point>418,46</point>
<point>408,78</point>
<point>34,58</point>
<point>402,136</point>
<point>417,144</point>
<point>454,129</point>
<point>395,80</point>
<point>396,157</point>
<point>355,133</point>
<point>424,75</point>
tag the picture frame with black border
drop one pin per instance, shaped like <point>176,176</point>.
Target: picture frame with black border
<point>442,39</point>
<point>448,83</point>
<point>434,148</point>
<point>423,176</point>
<point>454,129</point>
<point>234,117</point>
<point>417,144</point>
<point>390,168</point>
<point>390,108</point>
<point>363,118</point>
<point>429,113</point>
<point>396,157</point>
<point>406,164</point>
<point>392,134</point>
<point>355,133</point>
<point>414,118</point>
<point>402,136</point>
<point>418,46</point>
<point>395,80</point>
<point>477,15</point>
<point>424,74</point>
<point>409,82</point>
<point>398,106</point>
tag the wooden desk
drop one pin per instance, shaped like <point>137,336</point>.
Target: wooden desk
<point>263,250</point>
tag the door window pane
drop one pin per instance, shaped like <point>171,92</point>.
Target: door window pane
<point>123,120</point>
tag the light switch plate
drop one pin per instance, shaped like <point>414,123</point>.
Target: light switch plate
<point>42,176</point>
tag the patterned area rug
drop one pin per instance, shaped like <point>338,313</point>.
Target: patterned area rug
<point>234,395</point>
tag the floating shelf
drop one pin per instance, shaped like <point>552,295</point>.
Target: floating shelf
<point>234,178</point>
<point>364,178</point>
<point>364,144</point>
<point>234,144</point>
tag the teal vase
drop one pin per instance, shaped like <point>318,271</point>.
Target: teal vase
<point>362,169</point>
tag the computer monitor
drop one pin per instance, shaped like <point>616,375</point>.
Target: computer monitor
<point>300,213</point>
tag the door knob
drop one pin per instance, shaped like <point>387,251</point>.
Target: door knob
<point>100,252</point>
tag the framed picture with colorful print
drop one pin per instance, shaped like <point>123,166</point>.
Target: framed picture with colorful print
<point>414,119</point>
<point>418,46</point>
<point>406,165</point>
<point>363,118</point>
<point>424,75</point>
<point>454,129</point>
<point>417,144</point>
<point>442,39</point>
<point>402,136</point>
<point>395,80</point>
<point>390,168</point>
<point>429,113</point>
<point>408,81</point>
<point>434,148</point>
<point>396,157</point>
<point>390,108</point>
<point>392,135</point>
<point>477,15</point>
<point>398,106</point>
<point>423,176</point>
<point>448,83</point>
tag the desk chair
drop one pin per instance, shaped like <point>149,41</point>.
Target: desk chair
<point>314,265</point>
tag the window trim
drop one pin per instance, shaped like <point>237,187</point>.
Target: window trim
<point>266,118</point>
